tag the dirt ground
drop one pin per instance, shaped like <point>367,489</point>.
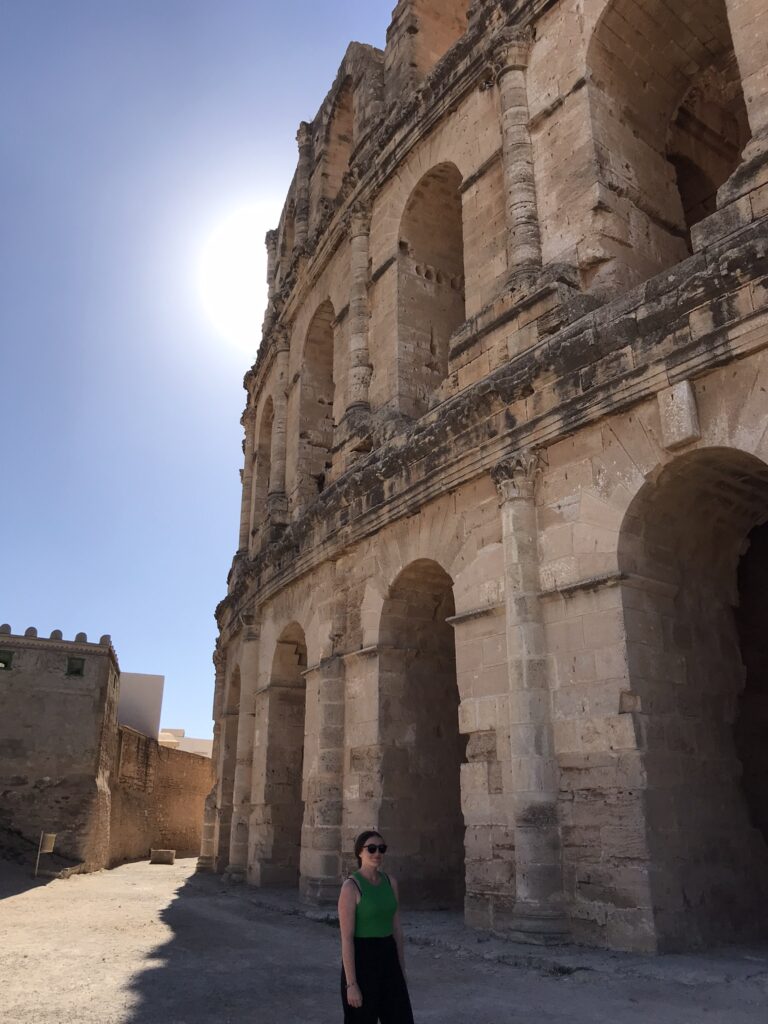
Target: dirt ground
<point>160,945</point>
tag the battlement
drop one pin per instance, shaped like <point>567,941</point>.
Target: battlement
<point>78,652</point>
<point>30,633</point>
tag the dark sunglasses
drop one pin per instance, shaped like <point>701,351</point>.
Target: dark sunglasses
<point>376,848</point>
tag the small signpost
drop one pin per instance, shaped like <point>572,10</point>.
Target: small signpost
<point>47,842</point>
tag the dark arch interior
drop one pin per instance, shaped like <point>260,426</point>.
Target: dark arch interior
<point>694,610</point>
<point>316,416</point>
<point>430,286</point>
<point>423,750</point>
<point>285,758</point>
<point>752,722</point>
<point>670,123</point>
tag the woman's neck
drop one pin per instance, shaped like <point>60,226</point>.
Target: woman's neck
<point>370,874</point>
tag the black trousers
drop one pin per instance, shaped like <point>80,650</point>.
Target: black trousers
<point>381,981</point>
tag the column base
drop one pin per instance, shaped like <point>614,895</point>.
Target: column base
<point>206,865</point>
<point>320,891</point>
<point>234,874</point>
<point>541,926</point>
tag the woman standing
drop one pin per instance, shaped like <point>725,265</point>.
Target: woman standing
<point>373,985</point>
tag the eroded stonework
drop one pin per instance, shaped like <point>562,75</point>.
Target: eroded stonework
<point>502,535</point>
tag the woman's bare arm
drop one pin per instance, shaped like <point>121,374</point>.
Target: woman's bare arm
<point>348,898</point>
<point>397,928</point>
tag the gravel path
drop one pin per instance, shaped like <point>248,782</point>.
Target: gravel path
<point>159,945</point>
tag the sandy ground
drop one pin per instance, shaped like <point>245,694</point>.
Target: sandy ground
<point>159,945</point>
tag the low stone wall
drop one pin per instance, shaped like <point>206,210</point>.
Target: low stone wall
<point>158,795</point>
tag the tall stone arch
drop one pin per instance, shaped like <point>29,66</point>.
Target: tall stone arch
<point>278,800</point>
<point>431,300</point>
<point>669,124</point>
<point>691,549</point>
<point>317,397</point>
<point>421,748</point>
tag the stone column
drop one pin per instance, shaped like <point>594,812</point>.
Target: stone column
<point>277,500</point>
<point>538,914</point>
<point>522,215</point>
<point>749,30</point>
<point>241,789</point>
<point>271,243</point>
<point>303,174</point>
<point>360,370</point>
<point>321,865</point>
<point>249,424</point>
<point>206,862</point>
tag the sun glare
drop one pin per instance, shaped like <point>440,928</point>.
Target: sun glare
<point>232,273</point>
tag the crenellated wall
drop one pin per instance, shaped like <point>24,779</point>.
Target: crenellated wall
<point>58,731</point>
<point>66,766</point>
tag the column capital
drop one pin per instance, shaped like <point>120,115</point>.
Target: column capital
<point>281,338</point>
<point>357,219</point>
<point>516,477</point>
<point>512,51</point>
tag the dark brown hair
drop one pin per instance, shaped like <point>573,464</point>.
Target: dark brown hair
<point>362,839</point>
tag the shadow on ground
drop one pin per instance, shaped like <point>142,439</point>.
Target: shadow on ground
<point>238,956</point>
<point>18,856</point>
<point>16,879</point>
<point>230,961</point>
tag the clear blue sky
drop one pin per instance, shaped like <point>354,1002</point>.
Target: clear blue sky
<point>129,129</point>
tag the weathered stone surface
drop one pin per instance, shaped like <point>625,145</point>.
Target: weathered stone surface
<point>503,248</point>
<point>108,792</point>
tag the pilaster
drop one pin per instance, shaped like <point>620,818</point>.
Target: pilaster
<point>249,426</point>
<point>303,174</point>
<point>321,854</point>
<point>522,215</point>
<point>241,789</point>
<point>538,914</point>
<point>360,369</point>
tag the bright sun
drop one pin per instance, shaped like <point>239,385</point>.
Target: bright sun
<point>232,273</point>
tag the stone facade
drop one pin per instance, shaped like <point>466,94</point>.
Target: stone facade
<point>497,589</point>
<point>66,766</point>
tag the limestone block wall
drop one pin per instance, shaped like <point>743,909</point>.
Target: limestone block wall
<point>158,796</point>
<point>504,480</point>
<point>58,708</point>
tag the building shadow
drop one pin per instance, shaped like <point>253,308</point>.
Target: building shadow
<point>230,961</point>
<point>16,879</point>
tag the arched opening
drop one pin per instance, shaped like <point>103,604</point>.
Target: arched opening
<point>422,749</point>
<point>228,765</point>
<point>439,27</point>
<point>286,241</point>
<point>283,797</point>
<point>338,142</point>
<point>262,458</point>
<point>693,550</point>
<point>669,123</point>
<point>316,422</point>
<point>287,234</point>
<point>421,33</point>
<point>430,285</point>
<point>752,721</point>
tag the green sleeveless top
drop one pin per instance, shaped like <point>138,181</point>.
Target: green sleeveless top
<point>377,907</point>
